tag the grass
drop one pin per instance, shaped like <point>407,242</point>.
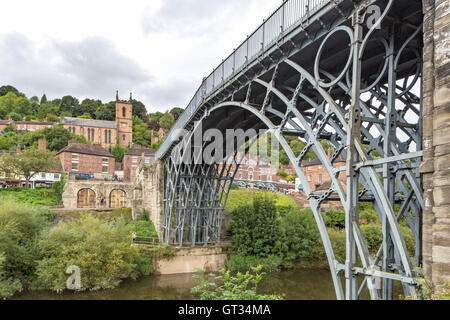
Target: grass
<point>244,196</point>
<point>40,196</point>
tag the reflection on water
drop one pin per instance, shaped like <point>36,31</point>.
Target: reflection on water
<point>294,284</point>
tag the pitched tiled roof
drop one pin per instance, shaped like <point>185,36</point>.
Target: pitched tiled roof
<point>139,150</point>
<point>89,123</point>
<point>36,122</point>
<point>95,150</point>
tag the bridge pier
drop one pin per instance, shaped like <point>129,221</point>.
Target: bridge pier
<point>436,141</point>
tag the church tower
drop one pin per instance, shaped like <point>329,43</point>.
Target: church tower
<point>124,121</point>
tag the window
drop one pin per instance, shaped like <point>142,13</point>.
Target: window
<point>123,137</point>
<point>135,159</point>
<point>109,136</point>
<point>320,178</point>
<point>320,167</point>
<point>43,175</point>
<point>75,161</point>
<point>89,134</point>
<point>269,178</point>
<point>92,135</point>
<point>124,112</point>
<point>309,168</point>
<point>240,175</point>
<point>309,178</point>
<point>105,165</point>
<point>106,136</point>
<point>147,161</point>
<point>56,176</point>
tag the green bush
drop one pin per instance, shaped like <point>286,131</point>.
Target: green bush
<point>255,229</point>
<point>242,286</point>
<point>335,219</point>
<point>234,186</point>
<point>337,238</point>
<point>20,227</point>
<point>143,215</point>
<point>242,196</point>
<point>302,236</point>
<point>144,264</point>
<point>101,250</point>
<point>373,234</point>
<point>241,263</point>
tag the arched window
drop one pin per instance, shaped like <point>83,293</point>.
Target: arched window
<point>92,134</point>
<point>89,134</point>
<point>124,112</point>
<point>106,136</point>
<point>109,135</point>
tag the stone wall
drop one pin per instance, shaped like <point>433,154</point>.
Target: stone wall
<point>147,192</point>
<point>101,189</point>
<point>436,141</point>
<point>190,260</point>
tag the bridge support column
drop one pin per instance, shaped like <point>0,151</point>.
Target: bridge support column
<point>436,141</point>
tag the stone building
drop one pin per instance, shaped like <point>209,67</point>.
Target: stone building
<point>86,159</point>
<point>132,158</point>
<point>106,133</point>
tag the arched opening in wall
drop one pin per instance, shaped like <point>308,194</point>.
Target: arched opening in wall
<point>86,198</point>
<point>117,199</point>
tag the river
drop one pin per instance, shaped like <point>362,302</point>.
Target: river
<point>300,284</point>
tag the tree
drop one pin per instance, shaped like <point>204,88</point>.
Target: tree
<point>6,89</point>
<point>139,109</point>
<point>176,112</point>
<point>118,151</point>
<point>141,134</point>
<point>167,121</point>
<point>69,104</point>
<point>87,106</point>
<point>43,99</point>
<point>106,112</point>
<point>154,125</point>
<point>29,163</point>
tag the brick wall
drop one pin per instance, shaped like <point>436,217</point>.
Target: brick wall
<point>86,164</point>
<point>436,141</point>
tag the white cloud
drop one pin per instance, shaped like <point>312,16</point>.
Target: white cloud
<point>159,49</point>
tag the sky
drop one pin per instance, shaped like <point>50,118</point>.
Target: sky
<point>158,49</point>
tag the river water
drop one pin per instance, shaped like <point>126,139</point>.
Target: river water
<point>309,284</point>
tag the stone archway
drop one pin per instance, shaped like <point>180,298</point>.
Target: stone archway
<point>117,199</point>
<point>86,198</point>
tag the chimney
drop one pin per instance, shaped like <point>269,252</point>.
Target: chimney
<point>18,148</point>
<point>117,95</point>
<point>131,96</point>
<point>42,144</point>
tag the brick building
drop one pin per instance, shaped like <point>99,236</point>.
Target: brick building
<point>86,159</point>
<point>26,125</point>
<point>132,158</point>
<point>317,175</point>
<point>106,133</point>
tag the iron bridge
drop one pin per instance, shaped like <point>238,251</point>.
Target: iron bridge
<point>317,69</point>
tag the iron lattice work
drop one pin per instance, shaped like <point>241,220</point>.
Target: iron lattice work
<point>334,79</point>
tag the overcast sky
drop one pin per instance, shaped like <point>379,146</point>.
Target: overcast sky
<point>158,49</point>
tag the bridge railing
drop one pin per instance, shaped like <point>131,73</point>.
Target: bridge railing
<point>283,20</point>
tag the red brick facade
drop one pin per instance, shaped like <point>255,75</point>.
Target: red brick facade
<point>77,158</point>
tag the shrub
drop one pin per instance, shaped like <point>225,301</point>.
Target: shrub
<point>143,215</point>
<point>335,218</point>
<point>20,227</point>
<point>241,263</point>
<point>337,238</point>
<point>234,186</point>
<point>101,250</point>
<point>302,235</point>
<point>373,234</point>
<point>242,286</point>
<point>255,229</point>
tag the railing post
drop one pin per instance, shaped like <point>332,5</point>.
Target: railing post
<point>263,35</point>
<point>282,17</point>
